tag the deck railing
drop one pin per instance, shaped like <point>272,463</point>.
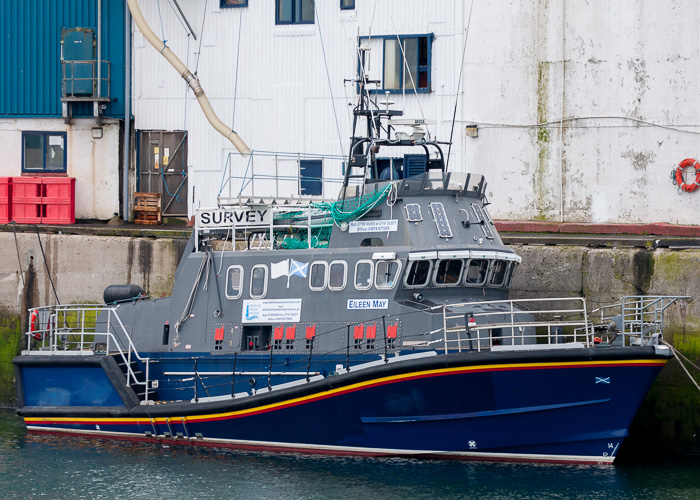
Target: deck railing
<point>83,329</point>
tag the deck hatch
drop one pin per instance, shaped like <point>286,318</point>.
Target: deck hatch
<point>440,216</point>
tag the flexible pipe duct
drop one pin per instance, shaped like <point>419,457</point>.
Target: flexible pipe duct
<point>191,80</point>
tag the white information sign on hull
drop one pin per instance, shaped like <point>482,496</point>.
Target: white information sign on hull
<point>272,311</point>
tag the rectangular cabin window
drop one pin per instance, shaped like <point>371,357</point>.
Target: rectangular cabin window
<point>449,272</point>
<point>363,274</point>
<point>258,281</point>
<point>509,279</point>
<point>234,3</point>
<point>317,276</point>
<point>347,4</point>
<point>476,272</point>
<point>498,275</point>
<point>386,273</point>
<point>337,275</point>
<point>418,273</point>
<point>234,282</point>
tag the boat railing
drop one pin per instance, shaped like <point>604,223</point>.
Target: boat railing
<point>634,320</point>
<point>86,329</point>
<point>478,325</point>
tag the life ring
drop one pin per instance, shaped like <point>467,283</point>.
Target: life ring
<point>688,162</point>
<point>32,325</point>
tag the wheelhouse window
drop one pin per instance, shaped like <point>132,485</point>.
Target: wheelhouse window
<point>448,272</point>
<point>476,272</point>
<point>337,275</point>
<point>418,273</point>
<point>498,275</point>
<point>317,276</point>
<point>295,12</point>
<point>234,3</point>
<point>258,281</point>
<point>234,282</point>
<point>43,152</point>
<point>347,4</point>
<point>386,272</point>
<point>407,63</point>
<point>363,274</point>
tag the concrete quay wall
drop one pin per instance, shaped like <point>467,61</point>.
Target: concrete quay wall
<point>81,266</point>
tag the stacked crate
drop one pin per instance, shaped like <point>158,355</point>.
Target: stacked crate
<point>26,200</point>
<point>43,200</point>
<point>147,208</point>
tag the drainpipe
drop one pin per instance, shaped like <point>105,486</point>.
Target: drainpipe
<point>127,114</point>
<point>191,80</point>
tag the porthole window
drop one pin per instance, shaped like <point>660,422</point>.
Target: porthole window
<point>234,282</point>
<point>476,272</point>
<point>337,275</point>
<point>258,281</point>
<point>498,275</point>
<point>418,273</point>
<point>317,276</point>
<point>448,272</point>
<point>386,274</point>
<point>363,274</point>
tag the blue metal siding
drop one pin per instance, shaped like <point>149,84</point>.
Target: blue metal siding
<point>30,53</point>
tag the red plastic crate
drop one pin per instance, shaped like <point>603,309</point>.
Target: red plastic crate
<point>26,189</point>
<point>58,190</point>
<point>58,200</point>
<point>26,213</point>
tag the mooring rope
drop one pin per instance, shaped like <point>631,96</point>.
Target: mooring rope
<point>678,357</point>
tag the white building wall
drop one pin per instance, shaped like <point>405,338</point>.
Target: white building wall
<point>583,107</point>
<point>93,162</point>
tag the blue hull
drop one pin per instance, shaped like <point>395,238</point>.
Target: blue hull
<point>573,406</point>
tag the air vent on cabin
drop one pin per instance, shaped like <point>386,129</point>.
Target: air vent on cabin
<point>440,216</point>
<point>413,212</point>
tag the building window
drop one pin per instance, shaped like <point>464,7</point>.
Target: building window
<point>295,12</point>
<point>310,177</point>
<point>43,152</point>
<point>347,4</point>
<point>397,74</point>
<point>234,3</point>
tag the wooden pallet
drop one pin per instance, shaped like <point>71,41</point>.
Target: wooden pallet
<point>147,208</point>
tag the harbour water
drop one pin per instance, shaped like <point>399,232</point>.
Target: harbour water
<point>54,467</point>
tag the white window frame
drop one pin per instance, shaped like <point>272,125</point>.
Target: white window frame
<point>371,274</point>
<point>325,275</point>
<point>240,283</point>
<point>396,279</point>
<point>408,272</point>
<point>252,272</point>
<point>436,268</point>
<point>345,275</point>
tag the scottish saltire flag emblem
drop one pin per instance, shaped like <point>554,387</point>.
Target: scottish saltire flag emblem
<point>602,380</point>
<point>298,268</point>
